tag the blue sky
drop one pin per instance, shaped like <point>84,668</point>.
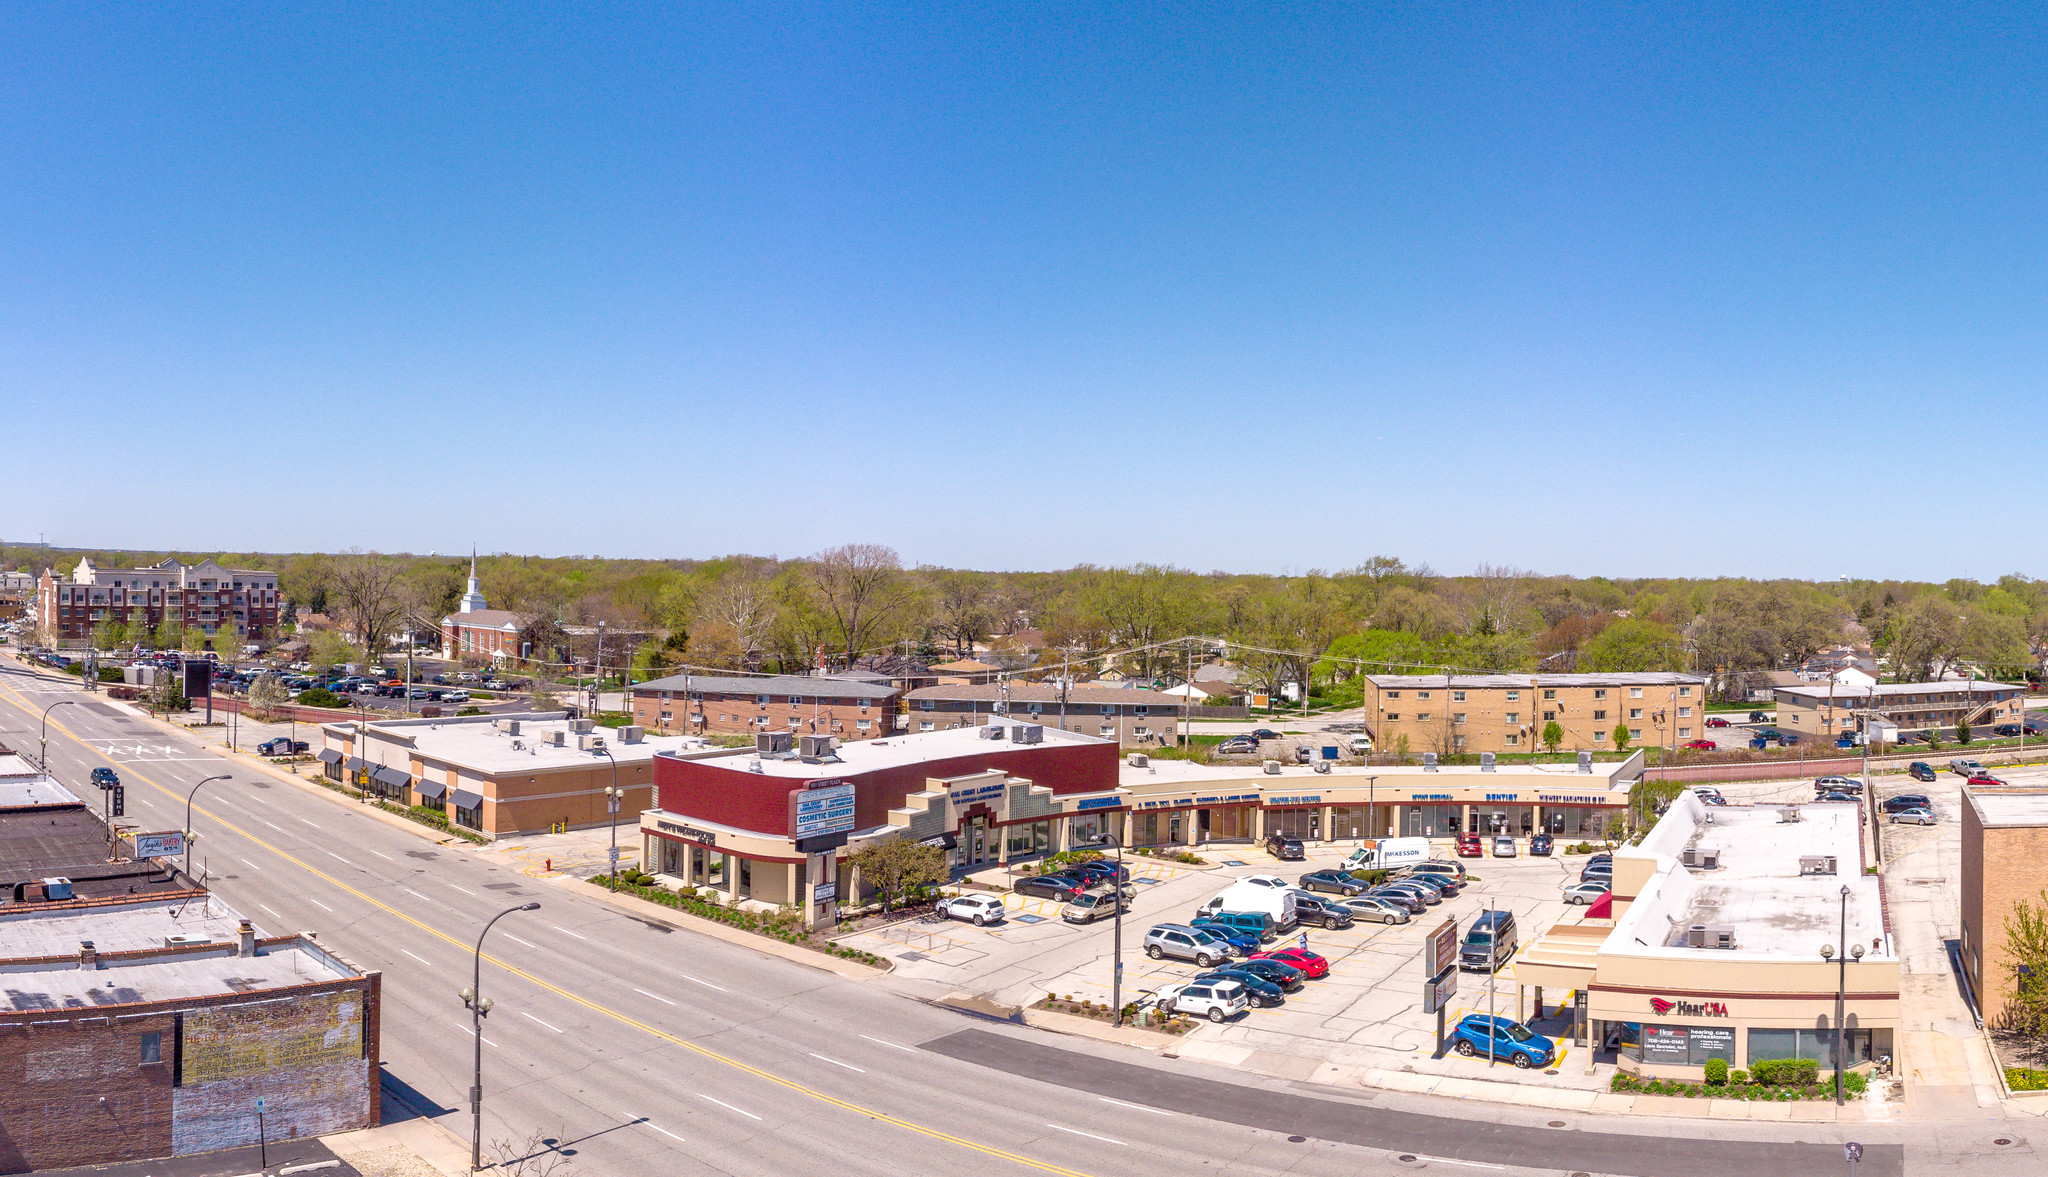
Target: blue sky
<point>1583,288</point>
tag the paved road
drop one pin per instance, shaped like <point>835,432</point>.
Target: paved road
<point>649,1049</point>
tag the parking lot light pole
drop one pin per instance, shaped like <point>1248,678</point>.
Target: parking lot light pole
<point>43,757</point>
<point>479,1005</point>
<point>1116,894</point>
<point>1842,991</point>
<point>188,818</point>
<point>613,795</point>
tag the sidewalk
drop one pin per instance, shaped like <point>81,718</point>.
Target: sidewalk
<point>640,908</point>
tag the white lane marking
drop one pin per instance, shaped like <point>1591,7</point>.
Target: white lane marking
<point>897,1045</point>
<point>318,904</point>
<point>706,984</point>
<point>270,909</point>
<point>414,894</point>
<point>647,1123</point>
<point>1089,1135</point>
<point>309,821</point>
<point>273,825</point>
<point>728,1107</point>
<point>338,858</point>
<point>247,863</point>
<point>464,890</point>
<point>381,854</point>
<point>416,956</point>
<point>655,996</point>
<point>1449,1161</point>
<point>835,1062</point>
<point>474,1034</point>
<point>529,1017</point>
<point>1136,1107</point>
<point>566,932</point>
<point>511,937</point>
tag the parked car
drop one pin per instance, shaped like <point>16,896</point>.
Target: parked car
<point>1838,784</point>
<point>1907,801</point>
<point>1277,972</point>
<point>1709,795</point>
<point>1312,965</point>
<point>1257,989</point>
<point>1963,767</point>
<point>1444,884</point>
<point>1835,795</point>
<point>455,696</point>
<point>440,679</point>
<point>1237,926</point>
<point>1334,881</point>
<point>1489,942</point>
<point>1378,908</point>
<point>1717,721</point>
<point>1918,817</point>
<point>1495,1036</point>
<point>1285,847</point>
<point>1539,846</point>
<point>1102,869</point>
<point>1985,778</point>
<point>1184,943</point>
<point>1469,846</point>
<point>1604,871</point>
<point>1093,904</point>
<point>1920,770</point>
<point>1311,909</point>
<point>1407,901</point>
<point>1060,887</point>
<point>1263,733</point>
<point>1428,896</point>
<point>1237,746</point>
<point>1585,892</point>
<point>1504,848</point>
<point>1702,745</point>
<point>1217,1001</point>
<point>2006,729</point>
<point>1759,717</point>
<point>1241,941</point>
<point>281,746</point>
<point>1448,867</point>
<point>977,909</point>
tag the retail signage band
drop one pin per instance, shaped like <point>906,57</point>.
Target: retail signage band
<point>825,808</point>
<point>1689,1009</point>
<point>705,836</point>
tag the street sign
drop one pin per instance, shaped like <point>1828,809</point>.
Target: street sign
<point>165,845</point>
<point>1438,991</point>
<point>824,808</point>
<point>827,891</point>
<point>615,855</point>
<point>1443,948</point>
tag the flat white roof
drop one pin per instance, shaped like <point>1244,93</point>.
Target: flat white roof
<point>857,756</point>
<point>63,986</point>
<point>22,786</point>
<point>475,742</point>
<point>27,931</point>
<point>1997,807</point>
<point>1392,776</point>
<point>1757,888</point>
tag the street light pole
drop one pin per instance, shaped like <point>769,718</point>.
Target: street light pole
<point>188,818</point>
<point>43,756</point>
<point>479,1005</point>
<point>1116,894</point>
<point>1841,991</point>
<point>612,797</point>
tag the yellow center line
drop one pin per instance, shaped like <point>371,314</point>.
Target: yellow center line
<point>615,1015</point>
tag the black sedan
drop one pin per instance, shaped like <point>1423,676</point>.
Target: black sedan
<point>1907,801</point>
<point>1264,733</point>
<point>1286,976</point>
<point>1256,988</point>
<point>1335,882</point>
<point>1060,887</point>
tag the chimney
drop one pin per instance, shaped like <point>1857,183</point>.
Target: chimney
<point>247,932</point>
<point>88,956</point>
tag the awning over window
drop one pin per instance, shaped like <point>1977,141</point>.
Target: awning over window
<point>355,764</point>
<point>464,799</point>
<point>330,755</point>
<point>427,788</point>
<point>391,777</point>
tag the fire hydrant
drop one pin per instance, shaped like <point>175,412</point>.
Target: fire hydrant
<point>551,866</point>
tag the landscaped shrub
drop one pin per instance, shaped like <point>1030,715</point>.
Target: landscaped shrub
<point>1717,1072</point>
<point>320,697</point>
<point>1738,1078</point>
<point>1785,1072</point>
<point>2026,1079</point>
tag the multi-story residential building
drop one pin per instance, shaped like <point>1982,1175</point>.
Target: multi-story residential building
<point>230,605</point>
<point>1464,713</point>
<point>824,705</point>
<point>1131,717</point>
<point>1830,709</point>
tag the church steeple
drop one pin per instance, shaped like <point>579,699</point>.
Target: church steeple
<point>473,600</point>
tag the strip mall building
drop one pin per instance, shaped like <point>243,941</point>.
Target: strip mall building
<point>1002,793</point>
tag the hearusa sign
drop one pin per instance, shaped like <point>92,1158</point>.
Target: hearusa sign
<point>1688,1009</point>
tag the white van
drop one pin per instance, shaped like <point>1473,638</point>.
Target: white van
<point>1264,894</point>
<point>1387,853</point>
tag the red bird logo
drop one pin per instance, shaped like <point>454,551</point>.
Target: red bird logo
<point>1660,1005</point>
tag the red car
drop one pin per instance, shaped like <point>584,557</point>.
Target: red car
<point>1717,722</point>
<point>1311,965</point>
<point>1985,778</point>
<point>1703,745</point>
<point>1471,846</point>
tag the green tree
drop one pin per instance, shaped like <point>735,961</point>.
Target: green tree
<point>267,694</point>
<point>1633,644</point>
<point>2026,946</point>
<point>103,636</point>
<point>225,642</point>
<point>1620,737</point>
<point>898,867</point>
<point>168,694</point>
<point>193,641</point>
<point>1553,735</point>
<point>1962,731</point>
<point>169,635</point>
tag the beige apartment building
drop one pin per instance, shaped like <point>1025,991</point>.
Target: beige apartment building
<point>1508,713</point>
<point>1829,709</point>
<point>2004,863</point>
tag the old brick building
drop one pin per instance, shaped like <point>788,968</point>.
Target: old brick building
<point>229,605</point>
<point>852,708</point>
<point>1133,718</point>
<point>2004,863</point>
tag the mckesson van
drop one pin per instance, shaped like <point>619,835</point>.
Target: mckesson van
<point>1387,853</point>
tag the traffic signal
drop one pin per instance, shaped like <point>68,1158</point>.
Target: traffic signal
<point>120,800</point>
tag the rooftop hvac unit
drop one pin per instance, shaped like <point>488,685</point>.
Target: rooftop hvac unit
<point>1272,768</point>
<point>992,731</point>
<point>509,726</point>
<point>1585,762</point>
<point>1027,733</point>
<point>589,743</point>
<point>1138,760</point>
<point>1710,936</point>
<point>1429,762</point>
<point>1816,864</point>
<point>57,887</point>
<point>631,733</point>
<point>1701,859</point>
<point>558,739</point>
<point>1486,762</point>
<point>771,743</point>
<point>579,726</point>
<point>1322,766</point>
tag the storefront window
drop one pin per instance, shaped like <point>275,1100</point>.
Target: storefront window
<point>1350,821</point>
<point>1689,1046</point>
<point>1083,828</point>
<point>1431,821</point>
<point>1576,821</point>
<point>1504,819</point>
<point>1818,1045</point>
<point>1028,838</point>
<point>1295,823</point>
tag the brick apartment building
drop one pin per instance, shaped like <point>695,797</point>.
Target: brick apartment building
<point>1829,709</point>
<point>1470,713</point>
<point>142,1017</point>
<point>852,708</point>
<point>224,603</point>
<point>1132,718</point>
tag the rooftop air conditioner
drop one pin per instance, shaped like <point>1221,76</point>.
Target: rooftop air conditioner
<point>580,726</point>
<point>1585,762</point>
<point>1710,936</point>
<point>1486,762</point>
<point>57,887</point>
<point>631,733</point>
<point>1816,864</point>
<point>1027,733</point>
<point>1272,768</point>
<point>590,743</point>
<point>558,739</point>
<point>993,731</point>
<point>1322,766</point>
<point>509,726</point>
<point>771,743</point>
<point>1138,760</point>
<point>1429,762</point>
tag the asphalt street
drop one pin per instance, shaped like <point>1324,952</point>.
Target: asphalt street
<point>646,1048</point>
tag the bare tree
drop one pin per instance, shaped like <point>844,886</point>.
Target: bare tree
<point>539,1155</point>
<point>863,590</point>
<point>368,589</point>
<point>964,608</point>
<point>730,623</point>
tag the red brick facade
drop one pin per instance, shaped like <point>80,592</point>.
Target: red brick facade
<point>200,598</point>
<point>806,706</point>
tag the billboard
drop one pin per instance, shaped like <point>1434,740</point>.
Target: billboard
<point>166,845</point>
<point>822,809</point>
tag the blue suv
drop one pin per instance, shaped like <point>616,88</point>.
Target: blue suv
<point>1478,1034</point>
<point>1244,942</point>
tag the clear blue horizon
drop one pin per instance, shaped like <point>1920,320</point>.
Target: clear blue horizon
<point>1590,290</point>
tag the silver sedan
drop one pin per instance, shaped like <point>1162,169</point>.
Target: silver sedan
<point>1918,817</point>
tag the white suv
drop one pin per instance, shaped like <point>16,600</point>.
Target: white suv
<point>981,909</point>
<point>1215,1000</point>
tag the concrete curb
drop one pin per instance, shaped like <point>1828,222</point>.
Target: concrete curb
<point>851,970</point>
